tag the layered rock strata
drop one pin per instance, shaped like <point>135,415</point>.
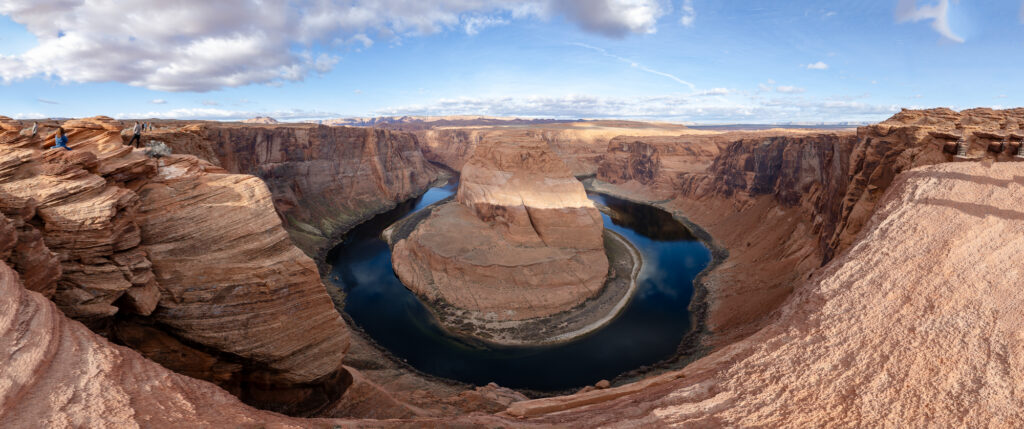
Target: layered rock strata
<point>57,373</point>
<point>786,203</point>
<point>173,248</point>
<point>916,324</point>
<point>881,336</point>
<point>520,241</point>
<point>324,180</point>
<point>580,144</point>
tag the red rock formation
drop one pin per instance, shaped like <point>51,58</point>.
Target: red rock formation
<point>580,144</point>
<point>239,286</point>
<point>521,241</point>
<point>783,203</point>
<point>194,254</point>
<point>917,324</point>
<point>657,164</point>
<point>57,373</point>
<point>910,322</point>
<point>324,180</point>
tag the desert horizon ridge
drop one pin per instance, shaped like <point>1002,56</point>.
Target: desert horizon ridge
<point>555,213</point>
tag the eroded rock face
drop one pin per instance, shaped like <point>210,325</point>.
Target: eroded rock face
<point>581,145</point>
<point>657,164</point>
<point>521,240</point>
<point>57,373</point>
<point>938,344</point>
<point>529,195</point>
<point>118,239</point>
<point>324,180</point>
<point>238,287</point>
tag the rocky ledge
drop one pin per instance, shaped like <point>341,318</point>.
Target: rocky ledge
<point>188,265</point>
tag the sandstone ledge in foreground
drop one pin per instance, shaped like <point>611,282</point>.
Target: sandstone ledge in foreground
<point>625,263</point>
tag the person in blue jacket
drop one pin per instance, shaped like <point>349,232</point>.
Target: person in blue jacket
<point>60,139</point>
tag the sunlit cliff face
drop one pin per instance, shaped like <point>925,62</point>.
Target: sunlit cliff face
<point>521,240</point>
<point>525,190</point>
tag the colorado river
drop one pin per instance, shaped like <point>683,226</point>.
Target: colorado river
<point>649,329</point>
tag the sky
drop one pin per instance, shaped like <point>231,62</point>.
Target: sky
<point>689,61</point>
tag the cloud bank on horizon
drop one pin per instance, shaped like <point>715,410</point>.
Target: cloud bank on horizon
<point>654,48</point>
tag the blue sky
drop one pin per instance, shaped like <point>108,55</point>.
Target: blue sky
<point>685,60</point>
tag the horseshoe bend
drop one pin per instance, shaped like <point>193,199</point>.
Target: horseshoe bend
<point>483,272</point>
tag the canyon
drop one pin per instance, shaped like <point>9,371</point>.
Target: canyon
<point>852,268</point>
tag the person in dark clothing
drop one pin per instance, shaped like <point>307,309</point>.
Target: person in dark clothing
<point>60,140</point>
<point>136,135</point>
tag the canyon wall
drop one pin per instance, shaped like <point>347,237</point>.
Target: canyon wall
<point>324,180</point>
<point>580,144</point>
<point>789,202</point>
<point>57,373</point>
<point>917,324</point>
<point>174,258</point>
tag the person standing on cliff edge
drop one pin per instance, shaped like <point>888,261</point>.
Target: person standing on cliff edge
<point>136,135</point>
<point>60,140</point>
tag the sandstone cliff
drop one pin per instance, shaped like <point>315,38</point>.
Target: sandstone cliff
<point>521,241</point>
<point>176,250</point>
<point>784,203</point>
<point>57,373</point>
<point>580,144</point>
<point>912,320</point>
<point>324,180</point>
<point>916,325</point>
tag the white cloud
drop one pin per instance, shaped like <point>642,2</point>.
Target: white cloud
<point>785,89</point>
<point>636,65</point>
<point>817,66</point>
<point>671,107</point>
<point>612,18</point>
<point>210,103</point>
<point>938,13</point>
<point>474,24</point>
<point>32,115</point>
<point>202,45</point>
<point>361,38</point>
<point>689,14</point>
<point>159,101</point>
<point>45,101</point>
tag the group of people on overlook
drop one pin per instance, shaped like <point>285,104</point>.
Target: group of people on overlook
<point>60,138</point>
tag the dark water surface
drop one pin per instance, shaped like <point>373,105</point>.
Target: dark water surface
<point>649,329</point>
